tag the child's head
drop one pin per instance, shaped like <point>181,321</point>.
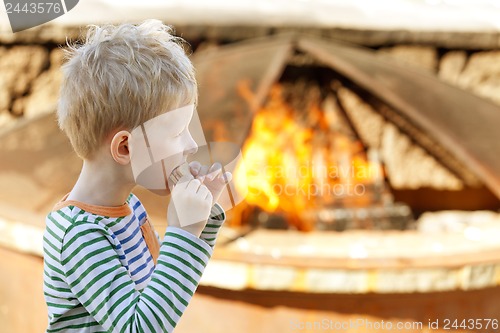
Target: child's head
<point>119,78</point>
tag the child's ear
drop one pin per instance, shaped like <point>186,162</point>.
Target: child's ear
<point>119,147</point>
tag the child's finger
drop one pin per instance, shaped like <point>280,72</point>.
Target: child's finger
<point>202,173</point>
<point>214,171</point>
<point>185,179</point>
<point>195,167</point>
<point>228,176</point>
<point>209,197</point>
<point>193,185</point>
<point>202,191</point>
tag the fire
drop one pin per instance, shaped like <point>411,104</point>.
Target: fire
<point>293,165</point>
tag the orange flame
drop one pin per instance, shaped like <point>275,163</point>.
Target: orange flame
<point>291,167</point>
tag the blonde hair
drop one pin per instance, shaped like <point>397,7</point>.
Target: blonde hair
<point>121,77</point>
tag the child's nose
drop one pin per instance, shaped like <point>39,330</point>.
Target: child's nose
<point>191,147</point>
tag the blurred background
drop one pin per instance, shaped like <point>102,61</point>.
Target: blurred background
<point>369,133</point>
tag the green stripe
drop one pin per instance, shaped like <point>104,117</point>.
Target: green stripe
<point>90,269</point>
<point>53,278</point>
<point>125,296</point>
<point>55,248</point>
<point>217,226</point>
<point>49,230</point>
<point>121,314</point>
<point>48,254</point>
<point>110,311</point>
<point>69,299</point>
<point>159,307</point>
<point>61,306</point>
<point>111,294</point>
<point>187,240</point>
<point>174,280</point>
<point>146,320</point>
<point>96,280</point>
<point>115,222</point>
<point>74,326</point>
<point>185,262</point>
<point>75,216</point>
<point>57,224</point>
<point>46,273</point>
<point>86,258</point>
<point>180,271</point>
<point>68,243</point>
<point>126,308</point>
<point>169,302</point>
<point>98,219</point>
<point>60,289</point>
<point>128,323</point>
<point>182,249</point>
<point>166,286</point>
<point>158,319</point>
<point>210,232</point>
<point>59,315</point>
<point>82,246</point>
<point>77,316</point>
<point>55,269</point>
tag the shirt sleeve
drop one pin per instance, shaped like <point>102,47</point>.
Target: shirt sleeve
<point>214,223</point>
<point>103,286</point>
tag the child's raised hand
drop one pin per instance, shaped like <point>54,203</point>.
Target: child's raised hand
<point>212,178</point>
<point>190,205</point>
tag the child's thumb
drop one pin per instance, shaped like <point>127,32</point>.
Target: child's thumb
<point>184,180</point>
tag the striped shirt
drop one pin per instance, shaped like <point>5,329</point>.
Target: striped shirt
<point>99,275</point>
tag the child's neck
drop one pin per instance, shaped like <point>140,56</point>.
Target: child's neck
<point>101,183</point>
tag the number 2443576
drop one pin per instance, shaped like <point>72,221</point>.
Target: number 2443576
<point>33,7</point>
<point>477,324</point>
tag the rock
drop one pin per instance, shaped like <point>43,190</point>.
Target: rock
<point>19,66</point>
<point>45,88</point>
<point>47,33</point>
<point>18,106</point>
<point>420,56</point>
<point>4,99</point>
<point>482,75</point>
<point>367,122</point>
<point>408,166</point>
<point>5,120</point>
<point>4,93</point>
<point>451,66</point>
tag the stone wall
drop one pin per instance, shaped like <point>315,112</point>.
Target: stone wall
<point>30,61</point>
<point>29,81</point>
<point>475,71</point>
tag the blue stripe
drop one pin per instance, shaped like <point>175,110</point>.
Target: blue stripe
<point>122,230</point>
<point>138,269</point>
<point>126,240</point>
<point>145,277</point>
<point>130,249</point>
<point>137,257</point>
<point>142,216</point>
<point>136,205</point>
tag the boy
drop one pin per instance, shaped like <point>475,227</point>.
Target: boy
<point>104,270</point>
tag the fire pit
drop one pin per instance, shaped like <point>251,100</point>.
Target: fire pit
<point>313,116</point>
<point>305,163</point>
